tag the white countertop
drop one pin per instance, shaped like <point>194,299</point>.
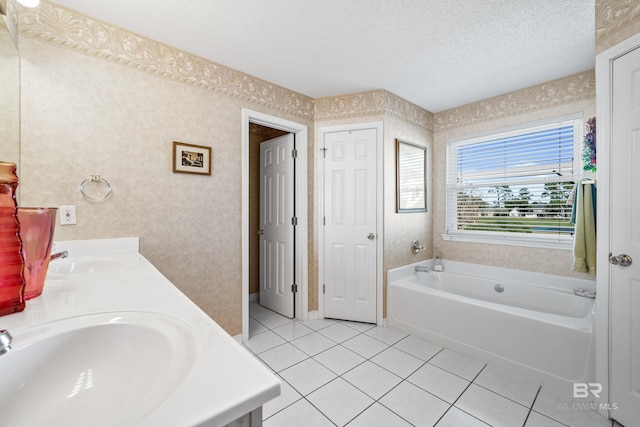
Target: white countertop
<point>225,381</point>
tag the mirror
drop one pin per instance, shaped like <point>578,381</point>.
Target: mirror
<point>411,177</point>
<point>9,84</point>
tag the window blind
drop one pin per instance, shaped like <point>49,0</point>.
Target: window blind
<point>514,183</point>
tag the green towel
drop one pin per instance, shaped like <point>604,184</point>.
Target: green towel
<point>584,244</point>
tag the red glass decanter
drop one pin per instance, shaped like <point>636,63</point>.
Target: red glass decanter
<point>11,261</point>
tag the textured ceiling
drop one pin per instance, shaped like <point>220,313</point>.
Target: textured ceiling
<point>438,54</point>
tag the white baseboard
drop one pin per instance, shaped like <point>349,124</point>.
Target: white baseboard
<point>254,297</point>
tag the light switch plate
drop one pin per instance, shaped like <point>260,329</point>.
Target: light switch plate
<point>67,215</point>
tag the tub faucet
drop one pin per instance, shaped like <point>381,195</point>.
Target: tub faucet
<point>416,247</point>
<point>584,293</point>
<point>5,342</point>
<point>62,254</point>
<point>422,268</point>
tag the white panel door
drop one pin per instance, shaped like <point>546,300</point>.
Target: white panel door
<point>625,239</point>
<point>276,228</point>
<point>350,225</point>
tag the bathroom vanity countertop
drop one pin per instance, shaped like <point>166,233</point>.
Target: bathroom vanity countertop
<point>225,381</point>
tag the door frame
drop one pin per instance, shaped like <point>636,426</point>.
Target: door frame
<point>378,126</point>
<point>604,68</point>
<point>301,207</point>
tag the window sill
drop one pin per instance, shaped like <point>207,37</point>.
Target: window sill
<point>550,243</point>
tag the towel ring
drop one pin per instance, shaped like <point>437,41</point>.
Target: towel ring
<point>97,179</point>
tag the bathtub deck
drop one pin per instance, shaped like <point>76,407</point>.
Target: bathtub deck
<point>346,373</point>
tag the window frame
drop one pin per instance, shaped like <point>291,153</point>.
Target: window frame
<point>555,241</point>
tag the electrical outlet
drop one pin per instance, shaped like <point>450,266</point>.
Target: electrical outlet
<point>67,215</point>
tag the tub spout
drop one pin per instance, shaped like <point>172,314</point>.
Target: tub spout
<point>584,293</point>
<point>422,268</point>
<point>62,254</point>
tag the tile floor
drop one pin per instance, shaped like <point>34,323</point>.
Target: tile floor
<point>337,373</point>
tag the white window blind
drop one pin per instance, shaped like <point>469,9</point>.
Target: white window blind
<point>514,185</point>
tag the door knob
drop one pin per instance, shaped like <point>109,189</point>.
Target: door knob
<point>623,260</point>
<point>371,236</point>
<point>260,232</point>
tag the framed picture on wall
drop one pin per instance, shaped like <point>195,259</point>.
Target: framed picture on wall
<point>189,158</point>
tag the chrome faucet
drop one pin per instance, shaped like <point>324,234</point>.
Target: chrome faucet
<point>5,342</point>
<point>422,268</point>
<point>62,254</point>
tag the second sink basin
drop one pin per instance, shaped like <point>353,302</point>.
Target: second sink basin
<point>93,264</point>
<point>100,369</point>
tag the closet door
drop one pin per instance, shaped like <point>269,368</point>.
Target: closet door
<point>350,225</point>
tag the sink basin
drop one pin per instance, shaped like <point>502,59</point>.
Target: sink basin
<point>99,370</point>
<point>88,265</point>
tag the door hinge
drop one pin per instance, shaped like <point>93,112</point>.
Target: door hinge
<point>324,220</point>
<point>294,220</point>
<point>324,289</point>
<point>294,153</point>
<point>294,288</point>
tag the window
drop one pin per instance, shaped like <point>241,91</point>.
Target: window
<point>514,186</point>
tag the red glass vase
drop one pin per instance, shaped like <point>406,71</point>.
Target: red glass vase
<point>11,261</point>
<point>36,232</point>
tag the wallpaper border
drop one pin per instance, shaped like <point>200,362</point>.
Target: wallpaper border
<point>565,90</point>
<point>372,103</point>
<point>66,28</point>
<point>616,20</point>
<point>69,29</point>
<point>72,30</point>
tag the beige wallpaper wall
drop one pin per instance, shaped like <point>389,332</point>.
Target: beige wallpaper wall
<point>572,94</point>
<point>10,87</point>
<point>616,21</point>
<point>85,113</point>
<point>99,100</point>
<point>402,120</point>
<point>96,100</point>
<point>9,96</point>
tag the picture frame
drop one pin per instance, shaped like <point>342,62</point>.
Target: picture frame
<point>411,177</point>
<point>190,158</point>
